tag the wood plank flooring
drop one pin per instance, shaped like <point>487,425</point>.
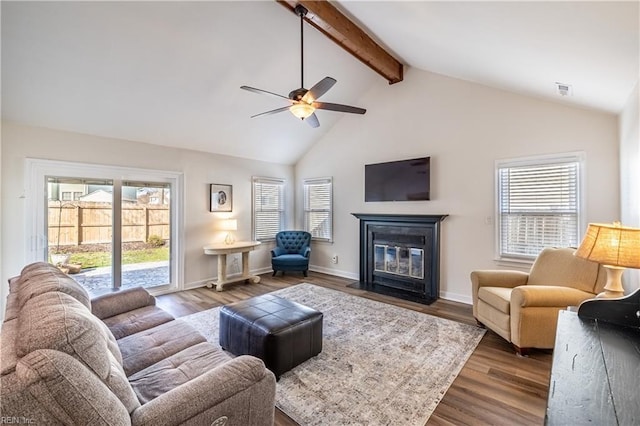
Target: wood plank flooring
<point>495,387</point>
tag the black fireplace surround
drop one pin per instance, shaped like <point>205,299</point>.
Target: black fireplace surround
<point>400,255</point>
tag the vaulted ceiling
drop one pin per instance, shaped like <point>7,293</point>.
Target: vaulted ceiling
<point>169,73</point>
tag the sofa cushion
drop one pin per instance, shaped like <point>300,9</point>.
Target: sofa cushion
<point>39,278</point>
<point>16,401</point>
<point>498,297</point>
<point>12,307</point>
<point>175,370</point>
<point>115,303</point>
<point>14,283</point>
<point>132,322</point>
<point>58,321</point>
<point>143,349</point>
<point>8,357</point>
<point>290,260</point>
<point>69,391</point>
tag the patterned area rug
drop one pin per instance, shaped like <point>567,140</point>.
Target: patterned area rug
<point>379,365</point>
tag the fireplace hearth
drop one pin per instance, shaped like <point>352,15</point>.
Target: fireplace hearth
<point>400,255</point>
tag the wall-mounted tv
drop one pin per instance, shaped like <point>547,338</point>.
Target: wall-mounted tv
<point>405,180</point>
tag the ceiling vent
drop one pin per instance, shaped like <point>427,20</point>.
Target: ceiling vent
<point>564,89</point>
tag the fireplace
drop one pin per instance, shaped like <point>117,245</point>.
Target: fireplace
<point>400,255</point>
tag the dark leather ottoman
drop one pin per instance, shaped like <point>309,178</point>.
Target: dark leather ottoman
<point>280,332</point>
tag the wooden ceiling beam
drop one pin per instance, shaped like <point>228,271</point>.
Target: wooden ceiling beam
<point>332,23</point>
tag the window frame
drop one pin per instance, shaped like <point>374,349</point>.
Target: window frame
<point>280,183</point>
<point>36,172</point>
<point>539,160</point>
<point>306,183</point>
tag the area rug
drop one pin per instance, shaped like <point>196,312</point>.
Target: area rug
<point>379,365</point>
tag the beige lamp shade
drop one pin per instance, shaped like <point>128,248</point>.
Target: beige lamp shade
<point>226,225</point>
<point>611,244</point>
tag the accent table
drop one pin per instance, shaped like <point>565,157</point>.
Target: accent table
<point>222,250</point>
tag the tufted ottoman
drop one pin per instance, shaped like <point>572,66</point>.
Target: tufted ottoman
<point>280,332</point>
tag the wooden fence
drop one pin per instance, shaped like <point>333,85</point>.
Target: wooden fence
<point>82,222</point>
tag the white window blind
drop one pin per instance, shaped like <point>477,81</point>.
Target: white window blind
<point>538,206</point>
<point>268,207</point>
<point>318,208</point>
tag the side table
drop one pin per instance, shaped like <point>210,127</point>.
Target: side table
<point>222,250</point>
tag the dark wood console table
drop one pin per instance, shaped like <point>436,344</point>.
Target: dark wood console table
<point>595,377</point>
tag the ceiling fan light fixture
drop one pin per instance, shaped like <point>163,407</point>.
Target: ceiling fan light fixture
<point>301,110</point>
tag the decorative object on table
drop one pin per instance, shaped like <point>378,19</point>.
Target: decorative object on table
<point>380,364</point>
<point>291,252</point>
<point>615,247</point>
<point>228,225</point>
<point>523,307</point>
<point>623,311</point>
<point>220,198</point>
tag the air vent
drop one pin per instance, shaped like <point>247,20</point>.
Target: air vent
<point>564,89</point>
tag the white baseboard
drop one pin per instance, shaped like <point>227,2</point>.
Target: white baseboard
<point>334,272</point>
<point>455,297</point>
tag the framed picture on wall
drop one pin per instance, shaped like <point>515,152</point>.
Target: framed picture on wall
<point>221,198</point>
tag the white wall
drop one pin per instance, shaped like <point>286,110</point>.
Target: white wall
<point>464,127</point>
<point>630,173</point>
<point>200,169</point>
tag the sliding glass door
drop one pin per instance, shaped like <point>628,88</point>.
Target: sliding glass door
<point>107,233</point>
<point>146,236</point>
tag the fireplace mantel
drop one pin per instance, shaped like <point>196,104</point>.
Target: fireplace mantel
<point>410,242</point>
<point>411,218</point>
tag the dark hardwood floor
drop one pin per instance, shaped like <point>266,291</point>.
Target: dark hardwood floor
<point>495,387</point>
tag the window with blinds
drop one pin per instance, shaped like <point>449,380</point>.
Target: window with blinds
<point>538,205</point>
<point>268,208</point>
<point>318,208</point>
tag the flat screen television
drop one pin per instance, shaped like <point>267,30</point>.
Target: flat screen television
<point>405,180</point>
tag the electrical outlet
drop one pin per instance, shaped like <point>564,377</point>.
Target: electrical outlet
<point>334,259</point>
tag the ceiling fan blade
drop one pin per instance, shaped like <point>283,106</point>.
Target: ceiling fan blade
<point>319,89</point>
<point>273,111</point>
<point>339,107</point>
<point>312,120</point>
<point>263,92</point>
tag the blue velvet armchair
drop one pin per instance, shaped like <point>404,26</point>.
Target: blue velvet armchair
<point>291,252</point>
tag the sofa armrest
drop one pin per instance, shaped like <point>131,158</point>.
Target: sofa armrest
<point>534,313</point>
<point>494,278</point>
<point>542,296</point>
<point>277,251</point>
<point>306,251</point>
<point>498,278</point>
<point>111,304</point>
<point>242,389</point>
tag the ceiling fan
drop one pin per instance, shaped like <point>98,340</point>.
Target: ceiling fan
<point>303,102</point>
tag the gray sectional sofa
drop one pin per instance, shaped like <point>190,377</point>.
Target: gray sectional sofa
<point>117,359</point>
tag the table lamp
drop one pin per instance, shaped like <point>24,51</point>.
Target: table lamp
<point>614,246</point>
<point>227,225</point>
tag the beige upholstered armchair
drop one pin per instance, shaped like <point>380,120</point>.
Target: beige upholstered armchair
<point>523,307</point>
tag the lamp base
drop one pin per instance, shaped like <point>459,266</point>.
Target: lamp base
<point>613,288</point>
<point>229,239</point>
<point>610,294</point>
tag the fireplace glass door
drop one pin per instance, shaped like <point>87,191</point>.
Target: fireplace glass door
<point>403,261</point>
